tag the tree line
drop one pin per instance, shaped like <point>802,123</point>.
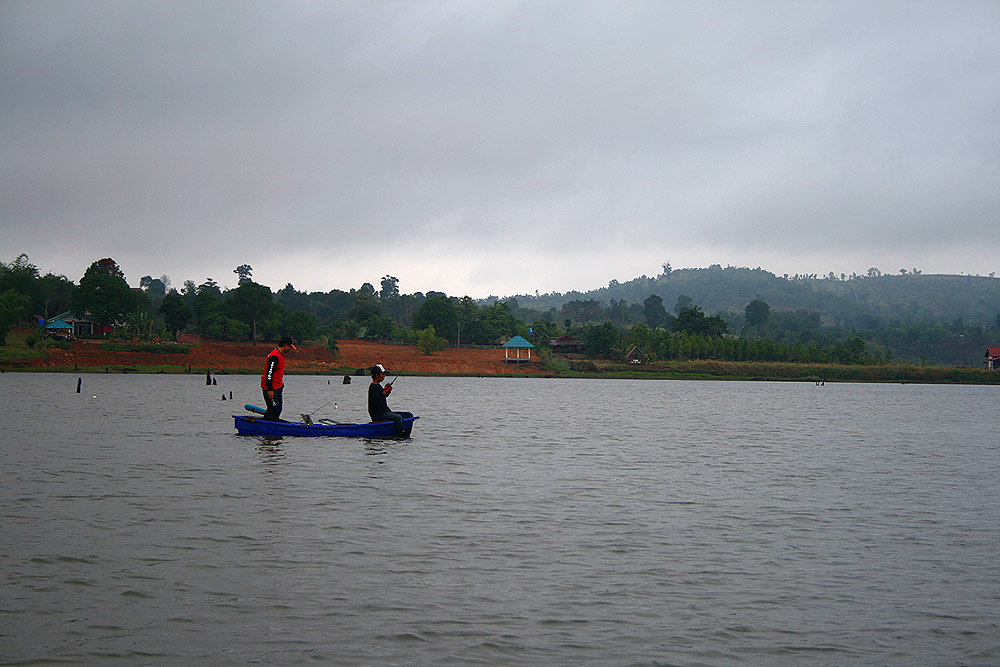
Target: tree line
<point>251,311</point>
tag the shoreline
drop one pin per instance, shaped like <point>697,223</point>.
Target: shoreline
<point>229,358</point>
<point>931,375</point>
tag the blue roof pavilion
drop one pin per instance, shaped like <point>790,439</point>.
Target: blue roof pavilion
<point>517,343</point>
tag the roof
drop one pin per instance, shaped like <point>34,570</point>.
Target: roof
<point>993,352</point>
<point>58,324</point>
<point>518,341</point>
<point>634,350</point>
<point>565,339</point>
<point>69,317</point>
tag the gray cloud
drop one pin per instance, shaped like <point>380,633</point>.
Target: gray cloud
<point>498,147</point>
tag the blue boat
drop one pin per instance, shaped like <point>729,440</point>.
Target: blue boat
<point>324,427</point>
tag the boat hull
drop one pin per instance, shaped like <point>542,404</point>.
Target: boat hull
<point>258,426</point>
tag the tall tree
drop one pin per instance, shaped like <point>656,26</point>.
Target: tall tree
<point>618,311</point>
<point>250,303</point>
<point>653,312</point>
<point>438,311</point>
<point>206,301</point>
<point>155,287</point>
<point>13,307</point>
<point>364,308</point>
<point>600,339</point>
<point>21,276</point>
<point>244,273</point>
<point>103,292</point>
<point>469,320</point>
<point>757,313</point>
<point>683,303</point>
<point>175,312</point>
<point>389,298</point>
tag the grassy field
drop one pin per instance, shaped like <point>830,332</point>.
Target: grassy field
<point>17,349</point>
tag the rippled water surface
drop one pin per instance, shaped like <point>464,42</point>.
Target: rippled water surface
<point>527,521</point>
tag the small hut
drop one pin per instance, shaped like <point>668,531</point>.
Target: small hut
<point>993,358</point>
<point>636,355</point>
<point>516,345</point>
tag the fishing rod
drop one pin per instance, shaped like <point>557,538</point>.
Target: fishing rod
<point>335,407</point>
<point>404,366</point>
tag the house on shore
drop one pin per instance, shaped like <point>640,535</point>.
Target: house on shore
<point>85,325</point>
<point>566,343</point>
<point>993,358</point>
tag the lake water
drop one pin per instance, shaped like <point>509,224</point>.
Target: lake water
<point>527,521</point>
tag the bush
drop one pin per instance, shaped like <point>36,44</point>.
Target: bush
<point>550,362</point>
<point>429,341</point>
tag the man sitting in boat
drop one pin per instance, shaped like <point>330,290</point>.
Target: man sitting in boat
<point>378,408</point>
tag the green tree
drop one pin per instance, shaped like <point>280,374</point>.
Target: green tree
<point>103,292</point>
<point>469,321</point>
<point>617,311</point>
<point>155,287</point>
<point>653,312</point>
<point>176,314</point>
<point>542,332</point>
<point>694,321</point>
<point>206,301</point>
<point>757,313</point>
<point>428,341</point>
<point>390,300</point>
<point>23,277</point>
<point>364,308</point>
<point>224,327</point>
<point>244,273</point>
<point>56,295</point>
<point>683,303</point>
<point>300,325</point>
<point>437,311</point>
<point>13,307</point>
<point>250,303</point>
<point>292,299</point>
<point>499,322</point>
<point>600,339</point>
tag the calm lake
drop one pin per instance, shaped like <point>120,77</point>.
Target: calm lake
<point>527,521</point>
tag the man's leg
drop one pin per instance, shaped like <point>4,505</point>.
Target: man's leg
<point>397,419</point>
<point>273,407</point>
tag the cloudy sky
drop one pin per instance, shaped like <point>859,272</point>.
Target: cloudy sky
<point>498,147</point>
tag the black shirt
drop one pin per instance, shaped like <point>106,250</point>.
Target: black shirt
<point>377,405</point>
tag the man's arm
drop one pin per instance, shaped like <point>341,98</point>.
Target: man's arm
<point>272,365</point>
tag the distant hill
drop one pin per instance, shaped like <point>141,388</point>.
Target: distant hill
<point>857,301</point>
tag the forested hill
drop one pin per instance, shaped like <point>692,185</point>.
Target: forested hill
<point>855,301</point>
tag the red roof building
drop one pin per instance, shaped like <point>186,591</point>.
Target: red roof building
<point>993,358</point>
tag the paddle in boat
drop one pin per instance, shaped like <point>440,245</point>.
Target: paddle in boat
<point>247,425</point>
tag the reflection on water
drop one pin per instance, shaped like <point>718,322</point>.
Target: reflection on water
<point>271,450</point>
<point>525,522</point>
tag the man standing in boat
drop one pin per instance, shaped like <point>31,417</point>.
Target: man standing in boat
<point>273,379</point>
<point>378,408</point>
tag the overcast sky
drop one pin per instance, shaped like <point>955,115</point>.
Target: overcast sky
<point>496,148</point>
